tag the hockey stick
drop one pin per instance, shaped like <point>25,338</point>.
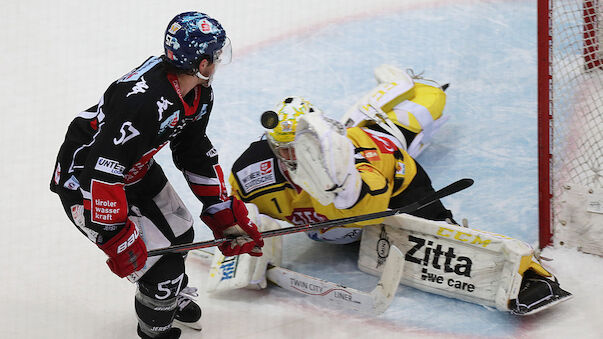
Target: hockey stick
<point>446,191</point>
<point>342,297</point>
<point>336,295</point>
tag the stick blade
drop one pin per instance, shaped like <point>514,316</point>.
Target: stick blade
<point>386,289</point>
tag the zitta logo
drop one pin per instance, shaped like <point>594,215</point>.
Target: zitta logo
<point>139,87</point>
<point>433,255</point>
<point>109,166</point>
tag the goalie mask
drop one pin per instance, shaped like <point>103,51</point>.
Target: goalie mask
<point>281,138</point>
<point>317,153</point>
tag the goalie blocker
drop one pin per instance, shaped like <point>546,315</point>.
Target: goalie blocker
<point>462,263</point>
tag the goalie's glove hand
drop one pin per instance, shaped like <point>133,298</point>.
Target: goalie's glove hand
<point>126,250</point>
<point>229,220</point>
<point>325,161</point>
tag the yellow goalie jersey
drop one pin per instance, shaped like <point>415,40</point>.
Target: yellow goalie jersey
<point>385,169</point>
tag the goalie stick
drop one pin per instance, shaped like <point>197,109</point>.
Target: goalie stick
<point>347,298</point>
<point>336,295</point>
<point>456,186</point>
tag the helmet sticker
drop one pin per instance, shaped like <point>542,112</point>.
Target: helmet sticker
<point>204,26</point>
<point>286,126</point>
<point>174,28</point>
<point>172,42</point>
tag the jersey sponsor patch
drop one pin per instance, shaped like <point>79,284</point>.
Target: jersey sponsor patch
<point>257,175</point>
<point>108,205</point>
<point>72,183</point>
<point>371,155</point>
<point>212,152</point>
<point>304,216</point>
<point>170,122</point>
<point>109,166</point>
<point>400,169</point>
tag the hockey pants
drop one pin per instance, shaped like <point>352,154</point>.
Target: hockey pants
<point>164,220</point>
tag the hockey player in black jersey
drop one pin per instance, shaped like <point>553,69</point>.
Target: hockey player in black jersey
<point>118,196</point>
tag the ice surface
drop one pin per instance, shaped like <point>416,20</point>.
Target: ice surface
<point>58,58</point>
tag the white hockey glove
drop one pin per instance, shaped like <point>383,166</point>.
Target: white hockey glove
<point>325,161</point>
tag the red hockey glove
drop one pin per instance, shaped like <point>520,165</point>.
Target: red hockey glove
<point>229,220</point>
<point>126,250</point>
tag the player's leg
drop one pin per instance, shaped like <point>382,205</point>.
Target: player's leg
<point>157,297</point>
<point>164,221</point>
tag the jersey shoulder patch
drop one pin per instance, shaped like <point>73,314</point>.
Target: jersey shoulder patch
<point>257,168</point>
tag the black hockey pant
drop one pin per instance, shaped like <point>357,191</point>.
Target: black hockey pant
<point>164,219</point>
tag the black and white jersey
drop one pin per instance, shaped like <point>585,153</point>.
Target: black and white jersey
<point>111,145</point>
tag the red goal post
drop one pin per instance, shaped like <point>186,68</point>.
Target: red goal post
<point>570,123</point>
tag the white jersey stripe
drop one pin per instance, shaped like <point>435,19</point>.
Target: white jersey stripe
<point>201,180</point>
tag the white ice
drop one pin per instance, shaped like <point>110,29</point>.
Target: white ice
<point>58,57</point>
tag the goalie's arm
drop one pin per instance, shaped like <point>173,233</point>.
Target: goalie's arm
<point>375,191</point>
<point>331,168</point>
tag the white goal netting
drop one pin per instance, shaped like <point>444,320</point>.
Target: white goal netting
<point>576,138</point>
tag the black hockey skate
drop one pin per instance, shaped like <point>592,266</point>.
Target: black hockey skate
<point>172,333</point>
<point>537,293</point>
<point>188,313</point>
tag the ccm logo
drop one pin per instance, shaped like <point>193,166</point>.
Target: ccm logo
<point>122,247</point>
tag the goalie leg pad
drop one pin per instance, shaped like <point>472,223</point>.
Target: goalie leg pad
<point>389,73</point>
<point>451,260</point>
<point>245,271</point>
<point>273,254</point>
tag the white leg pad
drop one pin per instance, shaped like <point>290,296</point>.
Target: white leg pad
<point>449,260</point>
<point>227,273</point>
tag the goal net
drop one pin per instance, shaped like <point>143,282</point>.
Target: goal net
<point>570,67</point>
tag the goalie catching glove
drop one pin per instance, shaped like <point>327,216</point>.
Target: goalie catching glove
<point>126,250</point>
<point>325,161</point>
<point>229,220</point>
